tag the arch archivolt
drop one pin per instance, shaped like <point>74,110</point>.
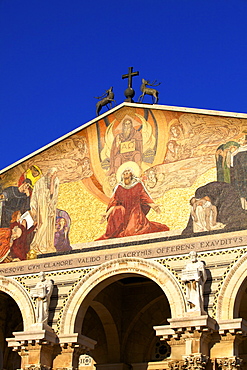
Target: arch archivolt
<point>110,328</point>
<point>16,291</point>
<point>231,288</point>
<point>97,279</point>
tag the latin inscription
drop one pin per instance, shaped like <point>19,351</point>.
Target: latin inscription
<point>94,260</point>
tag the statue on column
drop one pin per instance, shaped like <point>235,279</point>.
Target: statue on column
<point>194,276</point>
<point>42,293</point>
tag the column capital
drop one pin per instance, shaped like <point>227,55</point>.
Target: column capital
<point>191,362</point>
<point>229,363</point>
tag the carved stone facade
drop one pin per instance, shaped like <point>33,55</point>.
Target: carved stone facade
<point>123,303</point>
<point>233,363</point>
<point>154,292</point>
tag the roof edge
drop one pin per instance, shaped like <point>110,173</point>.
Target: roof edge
<point>127,104</point>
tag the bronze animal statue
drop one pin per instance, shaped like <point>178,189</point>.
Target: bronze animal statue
<point>106,98</point>
<point>148,91</point>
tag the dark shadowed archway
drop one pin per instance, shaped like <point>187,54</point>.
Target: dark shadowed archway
<point>10,321</point>
<point>121,316</point>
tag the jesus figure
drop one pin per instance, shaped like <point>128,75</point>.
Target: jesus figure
<point>127,209</point>
<point>127,146</point>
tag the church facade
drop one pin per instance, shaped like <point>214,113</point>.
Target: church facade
<point>123,245</point>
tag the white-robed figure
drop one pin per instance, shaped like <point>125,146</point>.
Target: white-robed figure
<point>43,209</point>
<point>204,215</point>
<point>194,276</point>
<point>42,293</point>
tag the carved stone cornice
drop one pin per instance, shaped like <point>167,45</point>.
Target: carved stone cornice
<point>165,332</point>
<point>23,347</point>
<point>187,324</point>
<point>229,363</point>
<point>39,334</point>
<point>70,348</point>
<point>192,322</point>
<point>233,326</point>
<point>35,346</point>
<point>76,340</point>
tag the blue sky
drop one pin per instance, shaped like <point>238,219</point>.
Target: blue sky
<point>56,56</point>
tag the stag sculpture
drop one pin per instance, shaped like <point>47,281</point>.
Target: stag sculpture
<point>106,98</point>
<point>149,91</point>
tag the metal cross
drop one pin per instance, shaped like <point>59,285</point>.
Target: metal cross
<point>129,76</point>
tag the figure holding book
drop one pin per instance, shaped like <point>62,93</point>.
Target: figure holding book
<point>194,276</point>
<point>42,293</point>
<point>127,146</point>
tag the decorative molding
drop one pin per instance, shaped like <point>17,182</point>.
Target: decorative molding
<point>186,326</point>
<point>176,365</point>
<point>192,362</point>
<point>79,274</point>
<point>229,363</point>
<point>237,326</point>
<point>230,281</point>
<point>36,367</point>
<point>150,269</point>
<point>19,294</point>
<point>195,362</point>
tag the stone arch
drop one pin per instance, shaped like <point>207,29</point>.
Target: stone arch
<point>16,291</point>
<point>112,269</point>
<point>227,307</point>
<point>112,338</point>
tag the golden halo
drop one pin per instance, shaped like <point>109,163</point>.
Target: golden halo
<point>131,165</point>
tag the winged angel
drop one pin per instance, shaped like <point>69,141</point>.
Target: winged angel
<point>191,147</point>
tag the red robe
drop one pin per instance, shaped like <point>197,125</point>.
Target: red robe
<point>129,214</point>
<point>20,246</point>
<point>5,234</point>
